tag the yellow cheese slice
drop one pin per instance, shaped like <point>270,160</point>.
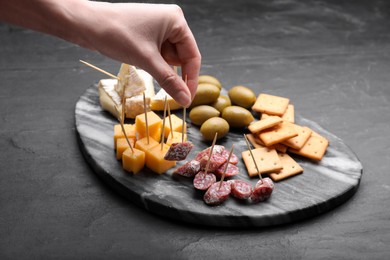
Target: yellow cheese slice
<point>122,145</point>
<point>133,161</point>
<point>155,159</point>
<point>154,125</point>
<point>177,138</point>
<point>118,133</point>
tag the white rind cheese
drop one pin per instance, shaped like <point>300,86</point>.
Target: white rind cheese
<point>157,102</point>
<point>109,98</point>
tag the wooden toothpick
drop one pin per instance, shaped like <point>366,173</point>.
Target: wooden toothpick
<point>163,125</point>
<point>183,127</point>
<point>227,164</point>
<point>122,121</point>
<point>146,118</point>
<point>170,120</point>
<point>99,69</point>
<point>211,152</point>
<point>254,161</point>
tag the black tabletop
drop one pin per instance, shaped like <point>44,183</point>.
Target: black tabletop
<point>331,58</point>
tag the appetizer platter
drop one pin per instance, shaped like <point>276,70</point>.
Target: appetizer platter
<point>320,185</point>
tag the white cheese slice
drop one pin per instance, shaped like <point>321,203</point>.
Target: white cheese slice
<point>130,83</point>
<point>157,102</point>
<point>109,98</point>
<point>135,105</point>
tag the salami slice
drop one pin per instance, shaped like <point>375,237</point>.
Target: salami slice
<point>178,151</point>
<point>241,189</point>
<point>215,162</point>
<point>233,158</point>
<point>203,181</point>
<point>215,195</point>
<point>189,169</point>
<point>262,190</point>
<point>218,149</point>
<point>230,171</point>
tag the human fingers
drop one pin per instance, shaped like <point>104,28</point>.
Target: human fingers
<point>188,55</point>
<point>168,79</point>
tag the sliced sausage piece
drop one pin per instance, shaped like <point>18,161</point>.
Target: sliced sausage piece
<point>233,158</point>
<point>215,162</point>
<point>203,181</point>
<point>262,190</point>
<point>178,151</point>
<point>241,189</point>
<point>230,171</point>
<point>189,169</point>
<point>218,149</point>
<point>215,195</point>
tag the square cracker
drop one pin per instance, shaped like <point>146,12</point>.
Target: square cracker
<point>299,141</point>
<point>290,168</point>
<point>264,124</point>
<point>253,141</point>
<point>267,160</point>
<point>314,148</point>
<point>278,147</point>
<point>289,115</point>
<point>278,133</point>
<point>272,105</point>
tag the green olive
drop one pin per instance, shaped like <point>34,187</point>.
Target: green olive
<point>214,125</point>
<point>205,94</point>
<point>201,113</point>
<point>242,96</point>
<point>209,79</point>
<point>221,103</point>
<point>237,116</point>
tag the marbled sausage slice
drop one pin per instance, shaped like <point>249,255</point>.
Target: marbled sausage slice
<point>230,171</point>
<point>262,190</point>
<point>203,181</point>
<point>189,169</point>
<point>216,195</point>
<point>241,189</point>
<point>178,151</point>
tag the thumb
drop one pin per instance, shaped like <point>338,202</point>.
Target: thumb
<point>170,81</point>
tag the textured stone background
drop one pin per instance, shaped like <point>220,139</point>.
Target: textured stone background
<point>332,58</point>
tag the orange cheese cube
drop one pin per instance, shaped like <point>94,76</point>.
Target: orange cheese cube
<point>143,145</point>
<point>155,159</point>
<point>177,125</point>
<point>133,161</point>
<point>177,138</point>
<point>154,125</point>
<point>118,133</point>
<point>122,145</point>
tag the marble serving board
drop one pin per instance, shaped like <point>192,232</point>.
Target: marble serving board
<point>321,187</point>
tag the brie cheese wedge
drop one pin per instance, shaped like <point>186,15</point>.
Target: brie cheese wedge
<point>109,98</point>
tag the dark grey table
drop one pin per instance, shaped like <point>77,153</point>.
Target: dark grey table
<point>332,58</point>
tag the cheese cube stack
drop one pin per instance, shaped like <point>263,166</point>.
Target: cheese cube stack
<point>155,159</point>
<point>122,145</point>
<point>154,125</point>
<point>177,125</point>
<point>177,138</point>
<point>118,133</point>
<point>133,161</point>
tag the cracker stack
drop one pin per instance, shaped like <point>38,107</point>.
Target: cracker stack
<point>276,134</point>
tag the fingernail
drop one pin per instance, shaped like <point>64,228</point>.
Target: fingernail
<point>183,99</point>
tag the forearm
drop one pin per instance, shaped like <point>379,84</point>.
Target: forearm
<point>55,17</point>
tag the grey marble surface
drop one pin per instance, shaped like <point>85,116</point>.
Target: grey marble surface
<point>321,187</point>
<point>332,58</point>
